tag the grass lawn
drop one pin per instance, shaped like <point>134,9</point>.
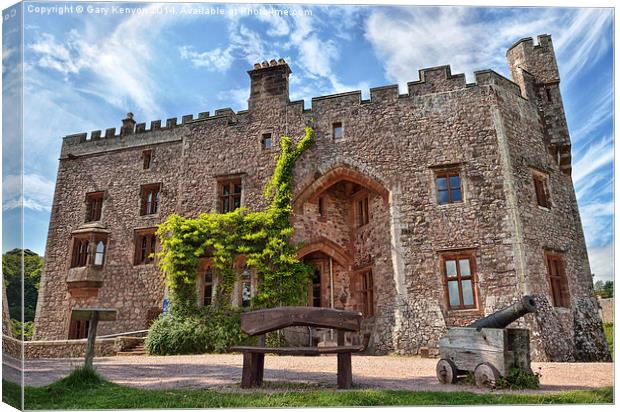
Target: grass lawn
<point>84,390</point>
<point>609,335</point>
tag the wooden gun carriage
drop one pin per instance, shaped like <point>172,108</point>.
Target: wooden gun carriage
<point>486,347</point>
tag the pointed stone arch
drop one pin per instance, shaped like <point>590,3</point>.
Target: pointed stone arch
<point>334,175</point>
<point>327,246</point>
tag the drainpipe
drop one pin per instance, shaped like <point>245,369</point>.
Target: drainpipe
<point>331,282</point>
<point>331,292</point>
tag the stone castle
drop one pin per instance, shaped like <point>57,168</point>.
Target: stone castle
<point>422,210</point>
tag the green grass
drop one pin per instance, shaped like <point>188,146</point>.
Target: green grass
<point>84,389</point>
<point>609,335</point>
<point>11,394</point>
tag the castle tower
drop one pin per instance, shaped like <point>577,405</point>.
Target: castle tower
<point>269,84</point>
<point>534,68</point>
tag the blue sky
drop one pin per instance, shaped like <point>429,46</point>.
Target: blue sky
<point>85,71</point>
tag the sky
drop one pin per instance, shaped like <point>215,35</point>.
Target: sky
<point>85,70</point>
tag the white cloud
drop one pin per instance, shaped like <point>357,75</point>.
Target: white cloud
<point>595,218</point>
<point>602,262</point>
<point>122,61</point>
<point>416,38</point>
<point>37,195</point>
<point>597,155</point>
<point>238,97</point>
<point>216,59</point>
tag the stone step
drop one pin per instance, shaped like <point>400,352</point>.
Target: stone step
<point>138,350</point>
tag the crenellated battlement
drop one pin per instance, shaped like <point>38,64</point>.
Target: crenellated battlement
<point>431,81</point>
<point>154,126</point>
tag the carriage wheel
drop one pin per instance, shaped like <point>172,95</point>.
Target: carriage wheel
<point>446,371</point>
<point>486,375</point>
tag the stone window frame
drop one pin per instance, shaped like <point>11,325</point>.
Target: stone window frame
<point>321,208</point>
<point>438,170</point>
<point>91,239</point>
<point>138,239</point>
<point>145,190</point>
<point>147,159</point>
<point>559,289</point>
<point>458,254</point>
<point>207,266</point>
<point>242,281</point>
<point>78,329</point>
<point>333,128</point>
<point>542,189</point>
<point>89,197</point>
<point>367,302</point>
<point>222,180</point>
<point>263,135</point>
<point>362,195</point>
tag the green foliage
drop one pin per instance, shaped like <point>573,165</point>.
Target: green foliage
<point>609,336</point>
<point>81,377</point>
<point>207,330</point>
<point>262,237</point>
<point>12,273</point>
<point>517,378</point>
<point>16,329</point>
<point>604,289</point>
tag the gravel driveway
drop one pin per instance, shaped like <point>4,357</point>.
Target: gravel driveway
<point>224,372</point>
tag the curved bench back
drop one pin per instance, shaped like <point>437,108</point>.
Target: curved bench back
<point>262,321</point>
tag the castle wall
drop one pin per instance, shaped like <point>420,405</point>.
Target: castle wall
<point>560,334</point>
<point>393,146</point>
<point>132,290</point>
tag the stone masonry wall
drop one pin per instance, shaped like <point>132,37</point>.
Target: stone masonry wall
<point>393,145</point>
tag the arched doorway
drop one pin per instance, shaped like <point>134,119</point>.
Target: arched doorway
<point>342,217</point>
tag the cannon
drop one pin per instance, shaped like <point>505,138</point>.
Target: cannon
<point>486,347</point>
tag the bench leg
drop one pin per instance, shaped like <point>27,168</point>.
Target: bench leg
<point>345,378</point>
<point>247,377</point>
<point>259,366</point>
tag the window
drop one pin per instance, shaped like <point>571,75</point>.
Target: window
<point>266,142</point>
<point>79,257</point>
<point>362,212</point>
<point>542,190</point>
<point>207,291</point>
<point>145,246</point>
<point>367,300</point>
<point>150,199</point>
<point>146,159</point>
<point>337,130</point>
<point>321,207</point>
<point>94,203</point>
<point>460,280</point>
<point>78,329</point>
<point>448,187</point>
<point>548,91</point>
<point>246,287</point>
<point>316,288</point>
<point>230,195</point>
<point>99,253</point>
<point>557,280</point>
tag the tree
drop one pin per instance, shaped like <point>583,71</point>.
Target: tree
<point>604,289</point>
<point>12,271</point>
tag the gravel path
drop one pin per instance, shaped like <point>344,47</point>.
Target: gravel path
<point>224,372</point>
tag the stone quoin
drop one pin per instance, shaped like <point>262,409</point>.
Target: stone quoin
<point>423,210</point>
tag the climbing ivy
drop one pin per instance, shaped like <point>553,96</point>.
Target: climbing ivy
<point>263,237</point>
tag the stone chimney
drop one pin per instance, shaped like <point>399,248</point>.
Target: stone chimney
<point>129,125</point>
<point>269,84</point>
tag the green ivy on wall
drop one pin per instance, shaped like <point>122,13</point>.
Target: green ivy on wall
<point>262,237</point>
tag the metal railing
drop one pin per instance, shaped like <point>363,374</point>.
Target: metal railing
<point>115,335</point>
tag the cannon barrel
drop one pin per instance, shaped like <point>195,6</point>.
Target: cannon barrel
<point>506,316</point>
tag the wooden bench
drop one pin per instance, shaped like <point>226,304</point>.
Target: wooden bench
<point>259,322</point>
